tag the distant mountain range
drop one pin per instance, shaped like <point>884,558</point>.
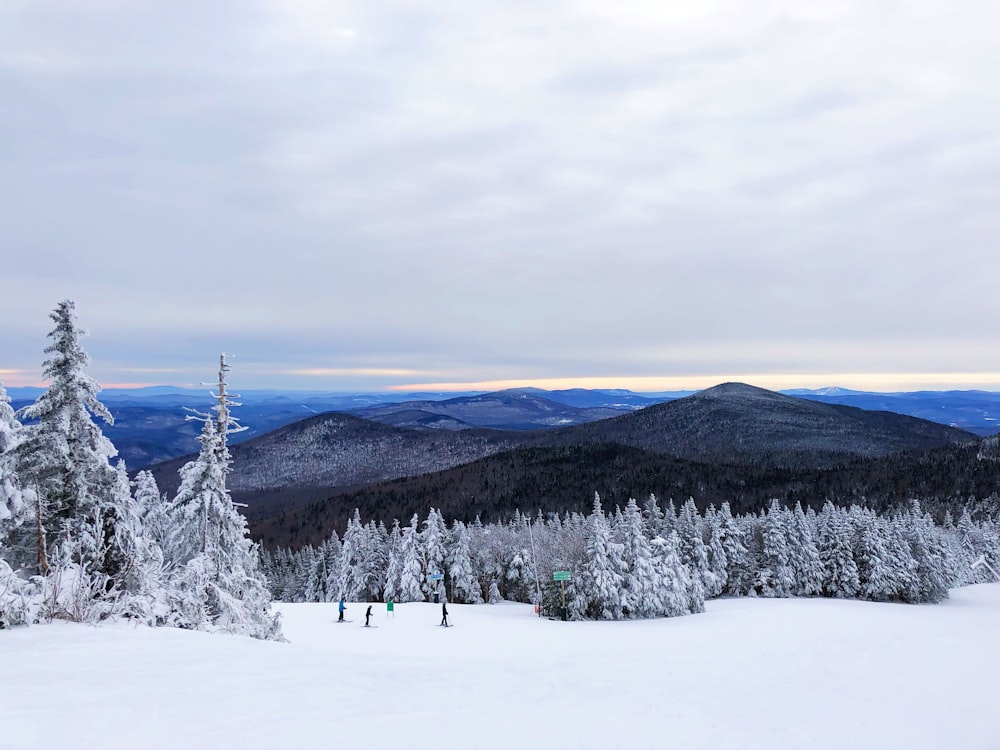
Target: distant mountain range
<point>281,475</point>
<point>301,472</point>
<point>151,424</point>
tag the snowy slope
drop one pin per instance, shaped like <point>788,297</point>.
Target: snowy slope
<point>817,674</point>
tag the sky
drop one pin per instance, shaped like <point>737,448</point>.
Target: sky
<point>372,195</point>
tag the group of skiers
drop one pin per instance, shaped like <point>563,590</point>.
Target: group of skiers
<point>389,610</point>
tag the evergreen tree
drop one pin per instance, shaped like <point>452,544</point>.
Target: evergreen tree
<point>432,542</point>
<point>602,580</point>
<point>64,457</point>
<point>15,504</point>
<point>840,571</point>
<point>464,587</point>
<point>219,584</point>
<point>411,575</point>
<point>394,565</point>
<point>642,595</point>
<point>740,569</point>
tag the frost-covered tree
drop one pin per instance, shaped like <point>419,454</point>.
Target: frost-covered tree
<point>15,509</point>
<point>152,508</point>
<point>641,595</point>
<point>718,561</point>
<point>677,590</point>
<point>351,585</point>
<point>432,542</point>
<point>775,576</point>
<point>464,586</point>
<point>394,563</point>
<point>740,568</point>
<point>840,571</point>
<point>411,574</point>
<point>218,582</point>
<point>693,552</point>
<point>63,456</point>
<point>803,554</point>
<point>602,577</point>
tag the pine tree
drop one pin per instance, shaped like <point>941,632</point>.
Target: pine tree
<point>64,457</point>
<point>464,587</point>
<point>718,562</point>
<point>219,584</point>
<point>411,574</point>
<point>807,568</point>
<point>840,571</point>
<point>351,585</point>
<point>432,542</point>
<point>602,580</point>
<point>394,566</point>
<point>740,569</point>
<point>678,592</point>
<point>15,505</point>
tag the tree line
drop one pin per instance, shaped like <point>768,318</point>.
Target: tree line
<point>645,560</point>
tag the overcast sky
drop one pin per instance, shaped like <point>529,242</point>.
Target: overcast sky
<point>359,195</point>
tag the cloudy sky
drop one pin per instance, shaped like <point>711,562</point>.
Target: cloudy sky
<point>362,195</point>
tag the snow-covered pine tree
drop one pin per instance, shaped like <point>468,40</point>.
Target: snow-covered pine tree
<point>18,600</point>
<point>464,586</point>
<point>641,595</point>
<point>152,507</point>
<point>602,577</point>
<point>693,552</point>
<point>14,509</point>
<point>432,542</point>
<point>775,577</point>
<point>718,563</point>
<point>324,572</point>
<point>64,458</point>
<point>218,583</point>
<point>678,592</point>
<point>740,569</point>
<point>929,554</point>
<point>803,554</point>
<point>394,564</point>
<point>840,571</point>
<point>141,580</point>
<point>411,574</point>
<point>352,561</point>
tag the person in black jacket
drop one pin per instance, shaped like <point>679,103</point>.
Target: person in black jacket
<point>444,613</point>
<point>368,615</point>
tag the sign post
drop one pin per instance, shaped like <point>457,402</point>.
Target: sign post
<point>562,576</point>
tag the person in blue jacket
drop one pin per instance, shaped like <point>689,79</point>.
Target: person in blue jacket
<point>341,607</point>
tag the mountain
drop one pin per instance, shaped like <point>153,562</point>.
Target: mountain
<point>317,456</point>
<point>975,411</point>
<point>519,409</point>
<point>737,423</point>
<point>733,442</point>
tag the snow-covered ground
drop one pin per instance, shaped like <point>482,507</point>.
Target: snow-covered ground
<point>748,673</point>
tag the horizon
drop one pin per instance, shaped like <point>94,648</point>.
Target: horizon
<point>670,385</point>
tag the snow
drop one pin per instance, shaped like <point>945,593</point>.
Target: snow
<point>747,674</point>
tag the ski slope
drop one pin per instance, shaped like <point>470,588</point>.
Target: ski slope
<point>817,674</point>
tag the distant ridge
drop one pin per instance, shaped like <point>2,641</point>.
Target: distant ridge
<point>738,423</point>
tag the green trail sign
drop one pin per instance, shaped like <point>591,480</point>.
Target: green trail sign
<point>560,575</point>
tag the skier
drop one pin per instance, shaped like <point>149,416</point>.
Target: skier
<point>444,614</point>
<point>368,615</point>
<point>390,608</point>
<point>341,607</point>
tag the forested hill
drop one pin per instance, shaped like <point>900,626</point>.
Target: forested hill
<point>565,478</point>
<point>737,423</point>
<point>339,450</point>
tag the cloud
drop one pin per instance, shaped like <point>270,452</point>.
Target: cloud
<point>503,190</point>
